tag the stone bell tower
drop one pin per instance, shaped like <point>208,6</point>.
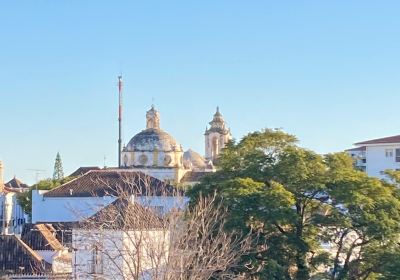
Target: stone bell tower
<point>216,137</point>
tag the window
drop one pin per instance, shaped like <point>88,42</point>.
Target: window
<point>96,266</point>
<point>389,152</point>
<point>397,155</point>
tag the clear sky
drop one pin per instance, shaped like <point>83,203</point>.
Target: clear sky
<point>326,71</point>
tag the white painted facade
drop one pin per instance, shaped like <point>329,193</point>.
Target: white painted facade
<point>59,260</point>
<point>377,157</point>
<point>382,157</point>
<point>70,209</point>
<point>173,175</point>
<point>114,254</point>
<point>12,216</point>
<point>65,209</point>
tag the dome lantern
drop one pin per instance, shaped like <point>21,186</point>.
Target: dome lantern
<point>152,119</point>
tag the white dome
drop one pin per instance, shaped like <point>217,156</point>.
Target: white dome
<point>151,139</point>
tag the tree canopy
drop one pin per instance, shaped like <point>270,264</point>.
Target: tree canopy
<point>317,216</point>
<point>58,173</point>
<point>25,199</point>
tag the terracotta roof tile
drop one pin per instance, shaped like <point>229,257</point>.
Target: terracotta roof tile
<point>110,182</point>
<point>82,170</point>
<point>124,214</point>
<point>16,184</point>
<point>17,257</point>
<point>37,241</point>
<point>385,140</point>
<point>362,148</point>
<point>48,233</point>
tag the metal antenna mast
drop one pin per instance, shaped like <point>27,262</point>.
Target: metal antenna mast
<point>38,172</point>
<point>119,119</point>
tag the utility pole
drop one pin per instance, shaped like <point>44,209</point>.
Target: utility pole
<point>119,119</point>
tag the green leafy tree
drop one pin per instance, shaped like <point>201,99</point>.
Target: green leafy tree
<point>298,200</point>
<point>25,199</point>
<point>365,221</point>
<point>58,173</point>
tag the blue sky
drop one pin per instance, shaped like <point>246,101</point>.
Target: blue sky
<point>326,71</point>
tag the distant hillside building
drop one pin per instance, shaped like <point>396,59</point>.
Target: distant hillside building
<point>377,155</point>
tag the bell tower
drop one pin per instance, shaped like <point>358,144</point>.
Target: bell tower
<point>216,136</point>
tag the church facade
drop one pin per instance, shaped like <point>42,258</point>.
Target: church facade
<point>155,152</point>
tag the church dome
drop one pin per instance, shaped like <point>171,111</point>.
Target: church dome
<point>195,159</point>
<point>153,139</point>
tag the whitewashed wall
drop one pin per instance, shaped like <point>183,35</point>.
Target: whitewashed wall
<point>11,213</point>
<point>123,252</point>
<point>166,202</point>
<point>377,162</point>
<point>173,174</point>
<point>65,209</point>
<point>70,209</point>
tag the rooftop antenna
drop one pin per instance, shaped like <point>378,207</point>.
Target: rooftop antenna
<point>119,119</point>
<point>152,102</point>
<point>38,172</point>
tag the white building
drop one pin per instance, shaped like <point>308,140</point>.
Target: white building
<point>377,155</point>
<point>12,216</point>
<point>122,241</point>
<point>359,156</point>
<point>87,194</point>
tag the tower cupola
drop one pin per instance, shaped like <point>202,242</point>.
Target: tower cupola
<point>216,136</point>
<point>152,119</point>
